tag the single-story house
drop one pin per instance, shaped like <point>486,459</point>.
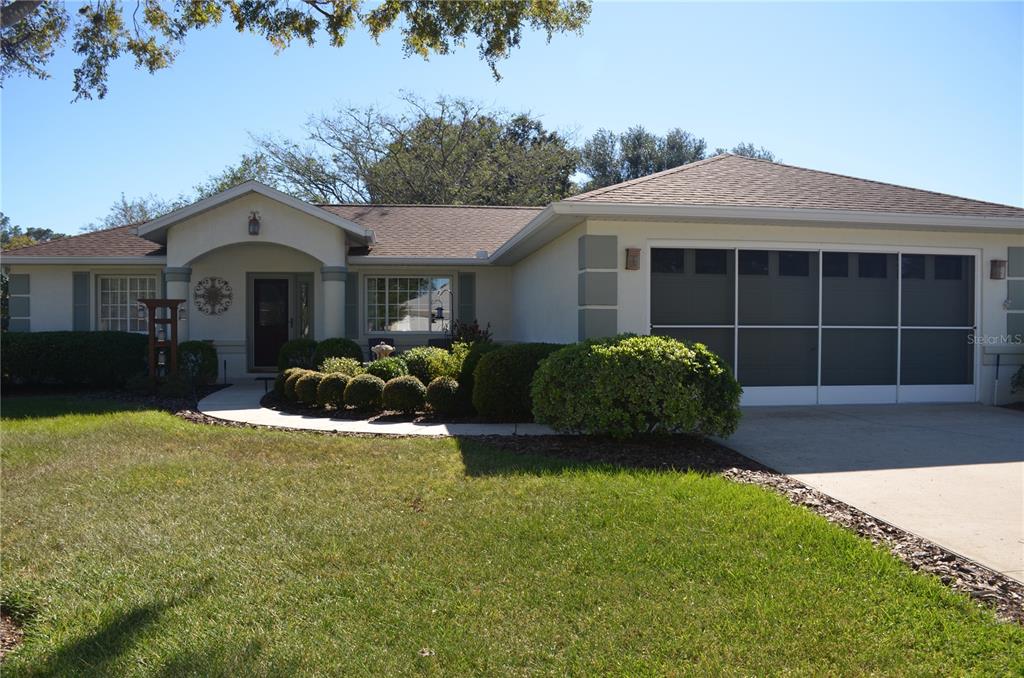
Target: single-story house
<point>815,287</point>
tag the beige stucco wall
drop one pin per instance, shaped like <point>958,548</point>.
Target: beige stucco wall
<point>227,224</point>
<point>633,285</point>
<point>545,292</point>
<point>50,291</point>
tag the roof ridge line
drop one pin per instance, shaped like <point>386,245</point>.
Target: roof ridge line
<point>881,183</point>
<point>388,204</point>
<point>639,180</point>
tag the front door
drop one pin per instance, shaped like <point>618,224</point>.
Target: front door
<point>270,320</point>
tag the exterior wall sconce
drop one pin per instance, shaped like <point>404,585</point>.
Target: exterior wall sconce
<point>997,269</point>
<point>439,313</point>
<point>632,258</point>
<point>254,223</point>
<point>140,313</point>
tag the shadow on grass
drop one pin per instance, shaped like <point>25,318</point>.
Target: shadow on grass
<point>42,406</point>
<point>545,455</point>
<point>96,653</point>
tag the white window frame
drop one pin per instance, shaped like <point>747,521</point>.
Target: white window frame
<point>131,320</point>
<point>819,393</point>
<point>442,328</point>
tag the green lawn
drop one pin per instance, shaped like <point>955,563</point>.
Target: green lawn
<point>136,543</point>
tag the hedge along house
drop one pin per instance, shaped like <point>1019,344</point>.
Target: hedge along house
<point>815,287</point>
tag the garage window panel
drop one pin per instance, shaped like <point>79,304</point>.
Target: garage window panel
<point>857,300</point>
<point>777,299</point>
<point>681,295</point>
<point>943,297</point>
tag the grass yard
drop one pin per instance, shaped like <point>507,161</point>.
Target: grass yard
<point>135,543</point>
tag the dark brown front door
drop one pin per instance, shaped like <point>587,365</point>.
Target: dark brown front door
<point>270,320</point>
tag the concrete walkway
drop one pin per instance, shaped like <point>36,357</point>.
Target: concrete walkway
<point>953,474</point>
<point>241,403</point>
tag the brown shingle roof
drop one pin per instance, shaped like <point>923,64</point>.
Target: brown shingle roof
<point>120,241</point>
<point>436,230</point>
<point>736,181</point>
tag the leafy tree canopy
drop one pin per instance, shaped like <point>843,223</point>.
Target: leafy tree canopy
<point>153,32</point>
<point>749,150</point>
<point>13,236</point>
<point>608,158</point>
<point>449,151</point>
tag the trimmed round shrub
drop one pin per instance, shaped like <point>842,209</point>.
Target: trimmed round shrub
<point>501,381</point>
<point>296,353</point>
<point>443,396</point>
<point>627,385</point>
<point>364,392</point>
<point>332,390</point>
<point>469,363</point>
<point>426,363</point>
<point>292,375</point>
<point>346,366</point>
<point>388,368</point>
<point>337,347</point>
<point>197,361</point>
<point>404,394</point>
<point>307,387</point>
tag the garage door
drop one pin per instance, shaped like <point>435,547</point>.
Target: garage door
<point>813,326</point>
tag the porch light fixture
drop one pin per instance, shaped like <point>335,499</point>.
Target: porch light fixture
<point>140,312</point>
<point>439,313</point>
<point>997,269</point>
<point>632,258</point>
<point>254,223</point>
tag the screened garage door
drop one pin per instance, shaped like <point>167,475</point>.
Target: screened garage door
<point>812,326</point>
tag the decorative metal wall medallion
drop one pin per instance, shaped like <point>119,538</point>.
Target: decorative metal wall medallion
<point>212,295</point>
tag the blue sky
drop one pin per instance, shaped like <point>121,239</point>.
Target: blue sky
<point>927,95</point>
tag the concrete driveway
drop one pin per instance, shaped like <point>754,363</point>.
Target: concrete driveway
<point>953,474</point>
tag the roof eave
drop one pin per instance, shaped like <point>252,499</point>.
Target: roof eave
<point>10,259</point>
<point>155,230</point>
<point>370,260</point>
<point>559,217</point>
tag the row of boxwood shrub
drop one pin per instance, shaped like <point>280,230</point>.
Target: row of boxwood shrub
<point>368,392</point>
<point>73,358</point>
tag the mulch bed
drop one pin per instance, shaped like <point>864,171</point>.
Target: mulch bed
<point>11,635</point>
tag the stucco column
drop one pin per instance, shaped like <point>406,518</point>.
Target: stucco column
<point>178,282</point>
<point>333,283</point>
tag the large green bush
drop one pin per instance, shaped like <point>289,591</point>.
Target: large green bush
<point>307,386</point>
<point>197,361</point>
<point>297,353</point>
<point>331,391</point>
<point>337,347</point>
<point>346,366</point>
<point>364,392</point>
<point>443,396</point>
<point>501,381</point>
<point>72,358</point>
<point>388,368</point>
<point>469,363</point>
<point>636,384</point>
<point>404,394</point>
<point>427,363</point>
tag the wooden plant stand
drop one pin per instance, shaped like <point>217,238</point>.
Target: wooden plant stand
<point>168,343</point>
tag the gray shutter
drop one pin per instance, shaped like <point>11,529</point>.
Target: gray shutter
<point>467,297</point>
<point>352,306</point>
<point>80,301</point>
